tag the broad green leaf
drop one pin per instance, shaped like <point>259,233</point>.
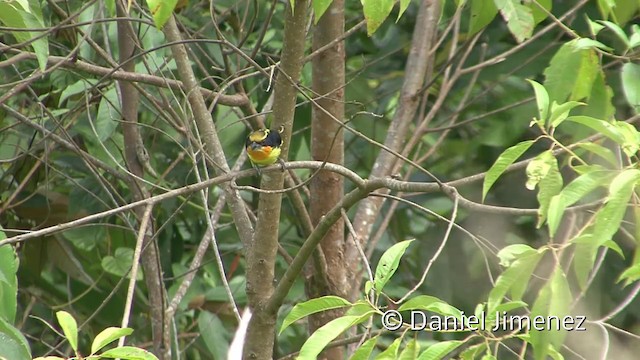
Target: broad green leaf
<point>616,30</point>
<point>482,13</point>
<point>505,159</point>
<point>106,120</point>
<point>607,129</point>
<point>213,334</point>
<point>440,350</point>
<point>107,336</point>
<point>630,75</point>
<point>586,43</point>
<point>539,168</point>
<point>549,186</point>
<point>430,303</point>
<point>49,358</point>
<point>571,73</point>
<point>8,281</point>
<point>13,344</point>
<point>631,137</point>
<point>514,280</point>
<point>376,12</point>
<point>69,328</point>
<point>572,193</point>
<point>324,335</point>
<point>509,254</point>
<point>404,4</point>
<point>601,151</point>
<point>632,274</point>
<point>518,17</point>
<point>584,257</point>
<point>538,14</point>
<point>360,307</point>
<point>129,353</point>
<point>594,27</point>
<point>608,218</point>
<point>365,350</point>
<point>313,306</point>
<point>553,299</point>
<point>161,10</point>
<point>472,352</point>
<point>390,353</point>
<point>560,112</point>
<point>634,40</point>
<point>319,7</point>
<point>410,351</point>
<point>120,263</point>
<point>23,15</point>
<point>388,264</point>
<point>542,100</point>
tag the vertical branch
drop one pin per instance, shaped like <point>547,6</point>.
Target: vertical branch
<point>262,255</point>
<point>129,99</point>
<point>327,187</point>
<point>418,68</point>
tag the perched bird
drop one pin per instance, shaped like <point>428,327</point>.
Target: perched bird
<point>263,147</point>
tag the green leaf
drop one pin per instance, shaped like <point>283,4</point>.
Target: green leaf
<point>388,264</point>
<point>13,344</point>
<point>376,12</point>
<point>324,335</point>
<point>509,254</point>
<point>634,40</point>
<point>411,350</point>
<point>120,263</point>
<point>319,7</point>
<point>542,100</point>
<point>69,328</point>
<point>586,43</point>
<point>108,115</point>
<point>560,112</point>
<point>8,281</point>
<point>365,350</point>
<point>514,279</point>
<point>539,168</point>
<point>129,353</point>
<point>618,31</point>
<point>472,352</point>
<point>440,350</point>
<point>584,257</point>
<point>550,185</point>
<point>554,299</point>
<point>390,353</point>
<point>518,17</point>
<point>161,10</point>
<point>482,13</point>
<point>630,75</point>
<point>213,334</point>
<point>313,306</point>
<point>107,336</point>
<point>505,159</point>
<point>404,4</point>
<point>608,218</point>
<point>572,193</point>
<point>22,15</point>
<point>607,129</point>
<point>430,303</point>
<point>538,14</point>
<point>571,73</point>
<point>631,138</point>
<point>631,274</point>
<point>594,27</point>
<point>601,151</point>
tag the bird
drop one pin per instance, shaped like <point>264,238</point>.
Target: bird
<point>263,147</point>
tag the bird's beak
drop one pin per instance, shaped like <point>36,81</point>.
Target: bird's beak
<point>255,146</point>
